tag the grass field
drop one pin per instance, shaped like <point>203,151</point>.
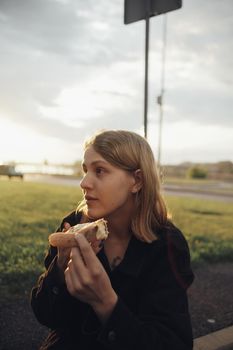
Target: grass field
<point>29,212</point>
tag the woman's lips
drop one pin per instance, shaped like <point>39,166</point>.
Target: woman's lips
<point>90,199</point>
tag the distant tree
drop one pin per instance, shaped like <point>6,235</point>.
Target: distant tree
<point>225,167</point>
<point>196,172</point>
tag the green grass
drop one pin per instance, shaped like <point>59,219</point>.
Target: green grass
<point>207,225</point>
<point>29,212</point>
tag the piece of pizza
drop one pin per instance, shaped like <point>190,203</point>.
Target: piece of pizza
<point>93,231</point>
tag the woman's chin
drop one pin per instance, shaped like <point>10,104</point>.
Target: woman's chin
<point>93,215</point>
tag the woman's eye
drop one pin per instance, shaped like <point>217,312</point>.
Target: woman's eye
<point>99,171</point>
<point>84,170</point>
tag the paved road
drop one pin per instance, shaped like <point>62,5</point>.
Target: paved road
<point>168,190</point>
<point>209,196</point>
<point>50,179</point>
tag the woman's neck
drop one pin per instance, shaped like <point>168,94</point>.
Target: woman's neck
<point>119,229</point>
<point>117,242</point>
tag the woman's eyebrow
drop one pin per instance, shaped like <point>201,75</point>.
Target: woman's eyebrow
<point>98,161</point>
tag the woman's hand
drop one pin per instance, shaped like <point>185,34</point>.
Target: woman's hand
<point>87,280</point>
<point>63,254</point>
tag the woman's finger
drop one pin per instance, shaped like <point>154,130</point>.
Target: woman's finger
<point>86,251</point>
<point>77,261</point>
<point>72,281</point>
<point>66,226</point>
<point>76,273</point>
<point>97,246</point>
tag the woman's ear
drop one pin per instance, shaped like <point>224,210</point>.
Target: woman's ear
<point>138,181</point>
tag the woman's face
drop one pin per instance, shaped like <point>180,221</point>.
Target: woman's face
<point>108,190</point>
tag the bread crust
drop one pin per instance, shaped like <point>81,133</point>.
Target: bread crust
<point>93,231</point>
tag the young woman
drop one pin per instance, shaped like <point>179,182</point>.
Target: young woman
<point>130,293</point>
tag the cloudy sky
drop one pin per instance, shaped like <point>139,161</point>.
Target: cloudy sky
<point>71,67</point>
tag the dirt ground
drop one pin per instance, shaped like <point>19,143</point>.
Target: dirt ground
<point>210,300</point>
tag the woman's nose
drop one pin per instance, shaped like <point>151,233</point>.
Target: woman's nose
<point>86,182</point>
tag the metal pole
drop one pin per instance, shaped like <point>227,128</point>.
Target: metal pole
<point>161,97</point>
<point>146,68</point>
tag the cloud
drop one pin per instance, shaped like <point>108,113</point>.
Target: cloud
<point>187,141</point>
<point>69,67</point>
<point>202,33</point>
<point>44,26</point>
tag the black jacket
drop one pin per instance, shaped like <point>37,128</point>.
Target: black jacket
<point>152,308</point>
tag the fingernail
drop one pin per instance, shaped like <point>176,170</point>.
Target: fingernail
<point>66,225</point>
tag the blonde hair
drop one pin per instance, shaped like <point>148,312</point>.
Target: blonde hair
<point>129,151</point>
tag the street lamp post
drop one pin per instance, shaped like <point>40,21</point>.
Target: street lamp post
<point>136,10</point>
<point>147,19</point>
<point>160,98</point>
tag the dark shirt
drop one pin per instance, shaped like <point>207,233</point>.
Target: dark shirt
<point>152,309</point>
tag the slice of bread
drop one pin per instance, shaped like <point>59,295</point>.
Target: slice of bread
<point>93,231</point>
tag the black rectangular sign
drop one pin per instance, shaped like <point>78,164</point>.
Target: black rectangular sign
<point>135,10</point>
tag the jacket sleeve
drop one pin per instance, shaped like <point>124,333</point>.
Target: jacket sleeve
<point>50,300</point>
<point>162,321</point>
